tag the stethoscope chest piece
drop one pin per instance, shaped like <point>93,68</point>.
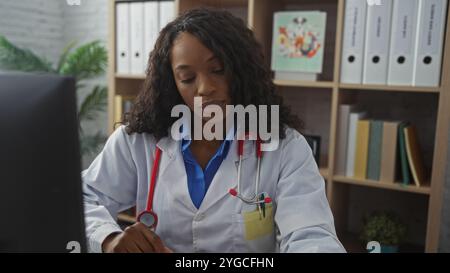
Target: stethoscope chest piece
<point>148,218</point>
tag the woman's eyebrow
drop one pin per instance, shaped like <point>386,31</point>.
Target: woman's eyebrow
<point>185,66</point>
<point>212,58</point>
<point>182,67</point>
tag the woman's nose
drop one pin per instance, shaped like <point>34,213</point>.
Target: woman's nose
<point>205,87</point>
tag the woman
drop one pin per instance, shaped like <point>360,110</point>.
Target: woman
<point>212,55</point>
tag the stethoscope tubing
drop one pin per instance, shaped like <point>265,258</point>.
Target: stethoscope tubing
<point>149,216</point>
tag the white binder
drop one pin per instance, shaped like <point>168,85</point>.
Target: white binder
<point>137,37</point>
<point>151,28</point>
<point>166,12</point>
<point>123,38</point>
<point>353,41</point>
<point>403,36</point>
<point>429,41</point>
<point>376,51</point>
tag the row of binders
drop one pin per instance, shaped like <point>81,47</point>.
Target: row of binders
<point>137,28</point>
<point>394,42</point>
<point>378,150</point>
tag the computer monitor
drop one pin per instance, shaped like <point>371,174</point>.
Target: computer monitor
<point>41,207</point>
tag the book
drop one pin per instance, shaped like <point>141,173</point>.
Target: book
<point>404,166</point>
<point>344,120</point>
<point>351,144</point>
<point>118,110</point>
<point>414,155</point>
<point>389,151</point>
<point>374,150</point>
<point>122,105</point>
<point>362,148</point>
<point>298,41</point>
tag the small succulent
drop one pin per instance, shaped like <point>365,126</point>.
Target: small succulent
<point>384,227</point>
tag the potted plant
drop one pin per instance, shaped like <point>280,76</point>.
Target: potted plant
<point>386,229</point>
<point>86,62</point>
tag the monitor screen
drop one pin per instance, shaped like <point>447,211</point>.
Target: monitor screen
<point>41,206</point>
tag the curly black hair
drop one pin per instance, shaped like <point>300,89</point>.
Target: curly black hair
<point>234,44</point>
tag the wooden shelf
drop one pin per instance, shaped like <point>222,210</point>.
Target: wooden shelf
<point>383,185</point>
<point>313,84</point>
<point>390,88</point>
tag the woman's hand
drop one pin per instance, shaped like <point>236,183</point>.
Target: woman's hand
<point>137,238</point>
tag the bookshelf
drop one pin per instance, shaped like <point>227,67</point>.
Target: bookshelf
<point>311,84</point>
<point>429,108</point>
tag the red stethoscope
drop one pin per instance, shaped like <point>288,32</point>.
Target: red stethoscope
<point>149,218</point>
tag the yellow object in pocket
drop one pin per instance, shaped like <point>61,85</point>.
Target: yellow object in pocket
<point>256,225</point>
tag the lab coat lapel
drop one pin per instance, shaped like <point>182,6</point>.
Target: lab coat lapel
<point>167,147</point>
<point>173,171</point>
<point>226,176</point>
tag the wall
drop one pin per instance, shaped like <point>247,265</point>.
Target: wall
<point>85,23</point>
<point>35,24</point>
<point>47,26</point>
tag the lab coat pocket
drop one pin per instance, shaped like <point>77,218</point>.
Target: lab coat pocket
<point>255,233</point>
<point>256,225</point>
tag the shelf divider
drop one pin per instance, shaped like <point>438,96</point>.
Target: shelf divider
<point>389,88</point>
<point>398,186</point>
<point>313,84</point>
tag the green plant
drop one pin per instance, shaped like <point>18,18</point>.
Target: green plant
<point>85,62</point>
<point>384,227</point>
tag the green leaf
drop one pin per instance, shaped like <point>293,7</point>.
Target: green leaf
<point>87,61</point>
<point>91,144</point>
<point>95,102</point>
<point>62,59</point>
<point>14,58</point>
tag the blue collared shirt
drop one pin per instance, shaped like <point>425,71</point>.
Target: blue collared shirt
<point>198,179</point>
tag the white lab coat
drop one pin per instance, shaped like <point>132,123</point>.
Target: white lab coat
<point>119,179</point>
